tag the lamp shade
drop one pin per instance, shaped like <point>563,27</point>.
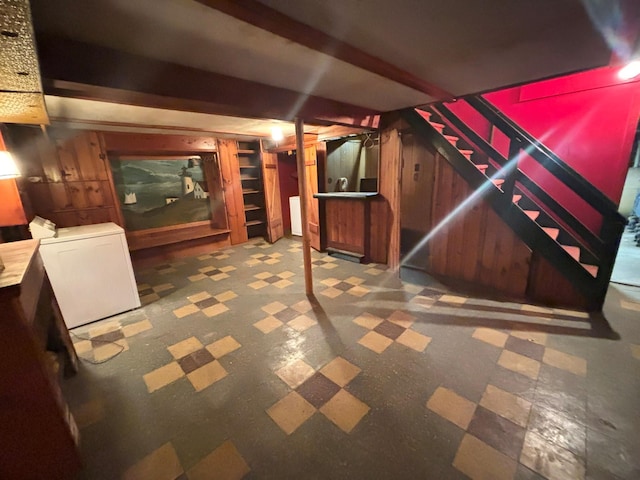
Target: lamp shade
<point>8,168</point>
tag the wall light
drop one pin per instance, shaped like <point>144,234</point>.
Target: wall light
<point>8,167</point>
<point>630,70</point>
<point>276,134</point>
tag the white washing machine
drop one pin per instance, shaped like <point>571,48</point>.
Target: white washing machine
<point>90,271</point>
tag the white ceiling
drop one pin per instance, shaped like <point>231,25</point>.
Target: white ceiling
<point>462,46</point>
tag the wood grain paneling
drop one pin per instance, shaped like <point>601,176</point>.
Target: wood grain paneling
<point>313,208</point>
<point>548,286</point>
<point>230,170</point>
<point>168,253</point>
<point>148,143</point>
<point>153,237</point>
<point>348,224</point>
<point>379,226</point>
<point>271,182</point>
<point>389,189</point>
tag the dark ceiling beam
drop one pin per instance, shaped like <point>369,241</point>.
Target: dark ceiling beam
<point>74,69</point>
<point>271,20</point>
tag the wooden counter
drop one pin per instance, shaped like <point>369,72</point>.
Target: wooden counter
<point>38,436</point>
<point>347,220</point>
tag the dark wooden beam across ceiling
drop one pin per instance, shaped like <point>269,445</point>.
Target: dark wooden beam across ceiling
<point>75,69</point>
<point>271,20</point>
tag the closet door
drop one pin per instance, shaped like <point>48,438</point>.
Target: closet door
<point>313,214</point>
<point>275,228</point>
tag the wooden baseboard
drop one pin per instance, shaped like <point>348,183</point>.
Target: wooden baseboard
<point>147,257</point>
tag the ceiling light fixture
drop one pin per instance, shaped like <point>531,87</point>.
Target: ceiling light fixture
<point>276,134</point>
<point>630,70</point>
<point>8,167</point>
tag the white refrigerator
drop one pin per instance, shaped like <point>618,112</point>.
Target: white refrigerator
<point>90,271</point>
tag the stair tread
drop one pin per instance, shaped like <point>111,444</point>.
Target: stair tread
<point>532,214</point>
<point>573,251</point>
<point>498,181</point>
<point>516,198</point>
<point>552,232</point>
<point>424,114</point>
<point>592,269</point>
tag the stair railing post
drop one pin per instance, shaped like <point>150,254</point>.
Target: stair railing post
<point>511,169</point>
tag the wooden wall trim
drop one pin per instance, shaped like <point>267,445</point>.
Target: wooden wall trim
<point>150,143</point>
<point>389,189</point>
<point>230,170</point>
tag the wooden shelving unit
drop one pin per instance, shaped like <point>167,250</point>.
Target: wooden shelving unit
<point>252,188</point>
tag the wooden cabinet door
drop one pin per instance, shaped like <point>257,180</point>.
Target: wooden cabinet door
<point>271,183</point>
<point>313,213</point>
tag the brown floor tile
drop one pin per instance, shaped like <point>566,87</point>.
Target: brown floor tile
<point>389,330</point>
<point>490,336</point>
<point>318,389</point>
<point>480,461</point>
<point>525,347</point>
<point>497,432</point>
<point>291,412</point>
<point>296,373</point>
<point>161,464</point>
<point>224,463</point>
<point>163,376</point>
<point>195,360</point>
<point>506,405</point>
<point>345,410</point>
<point>376,342</point>
<point>564,361</point>
<point>207,375</point>
<point>549,460</point>
<point>520,364</point>
<point>340,371</point>
<point>451,406</point>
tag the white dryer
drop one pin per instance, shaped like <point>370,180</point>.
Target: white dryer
<point>90,271</point>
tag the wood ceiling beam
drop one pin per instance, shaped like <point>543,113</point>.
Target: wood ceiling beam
<point>271,20</point>
<point>75,69</point>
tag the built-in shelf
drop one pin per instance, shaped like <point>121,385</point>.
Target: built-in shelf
<point>248,166</point>
<point>249,178</point>
<point>248,208</point>
<point>246,152</point>
<point>254,222</point>
<point>246,192</point>
<point>253,189</point>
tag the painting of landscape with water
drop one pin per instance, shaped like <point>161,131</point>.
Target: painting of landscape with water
<point>156,193</point>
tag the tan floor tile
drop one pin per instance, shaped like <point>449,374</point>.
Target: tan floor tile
<point>570,313</point>
<point>302,323</point>
<point>506,405</point>
<point>198,297</point>
<point>340,371</point>
<point>223,346</point>
<point>282,283</point>
<point>226,296</point>
<point>204,257</point>
<point>354,280</point>
<point>285,275</point>
<point>219,276</point>
<point>358,291</point>
<point>274,308</point>
<point>368,320</point>
<point>186,310</point>
<point>345,410</point>
<point>225,462</point>
<point>291,412</point>
<point>272,261</point>
<point>162,464</point>
<point>376,342</point>
<point>185,347</point>
<point>206,269</point>
<point>163,288</point>
<point>163,376</point>
<point>227,269</point>
<point>147,299</point>
<point>89,413</point>
<point>550,460</point>
<point>491,336</point>
<point>276,255</point>
<point>373,271</point>
<point>143,286</point>
<point>263,275</point>
<point>564,361</point>
<point>452,299</point>
<point>414,340</point>
<point>136,328</point>
<point>206,375</point>
<point>519,364</point>
<point>536,309</point>
<point>258,285</point>
<point>214,310</point>
<point>253,262</point>
<point>109,350</point>
<point>257,255</point>
<point>630,305</point>
<point>478,460</point>
<point>268,325</point>
<point>83,346</point>
<point>635,351</point>
<point>331,292</point>
<point>197,278</point>
<point>329,266</point>
<point>303,306</point>
<point>411,288</point>
<point>401,318</point>
<point>330,282</point>
<point>451,406</point>
<point>103,328</point>
<point>537,337</point>
<point>295,373</point>
<point>426,302</point>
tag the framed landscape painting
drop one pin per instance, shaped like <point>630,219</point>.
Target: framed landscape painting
<point>157,192</point>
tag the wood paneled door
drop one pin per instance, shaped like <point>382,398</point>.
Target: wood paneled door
<point>311,186</point>
<point>271,182</point>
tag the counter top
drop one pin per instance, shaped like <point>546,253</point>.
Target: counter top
<point>359,195</point>
<point>16,257</point>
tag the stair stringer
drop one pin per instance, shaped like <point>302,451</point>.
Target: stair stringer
<point>526,229</point>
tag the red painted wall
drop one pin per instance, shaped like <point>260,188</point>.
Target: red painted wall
<point>11,210</point>
<point>288,176</point>
<point>589,120</point>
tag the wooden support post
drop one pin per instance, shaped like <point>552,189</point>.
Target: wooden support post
<point>302,188</point>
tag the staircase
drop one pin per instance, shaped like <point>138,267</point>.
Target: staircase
<point>585,258</point>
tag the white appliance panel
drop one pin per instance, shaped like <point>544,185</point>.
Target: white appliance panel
<point>296,216</point>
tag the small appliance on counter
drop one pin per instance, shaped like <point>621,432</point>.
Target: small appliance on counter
<point>89,268</point>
